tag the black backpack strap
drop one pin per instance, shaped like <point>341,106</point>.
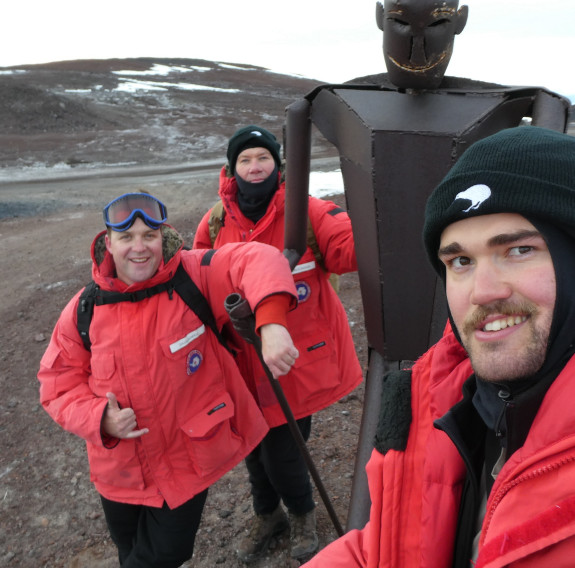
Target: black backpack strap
<point>190,293</point>
<point>103,297</point>
<point>182,283</point>
<point>207,258</point>
<point>85,311</point>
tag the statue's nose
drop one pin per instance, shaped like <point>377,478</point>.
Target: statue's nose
<point>418,57</point>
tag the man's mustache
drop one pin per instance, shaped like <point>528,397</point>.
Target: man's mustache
<point>501,308</point>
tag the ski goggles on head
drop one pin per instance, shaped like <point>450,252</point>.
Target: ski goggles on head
<point>120,214</point>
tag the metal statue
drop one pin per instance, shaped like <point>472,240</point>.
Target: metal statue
<point>398,133</point>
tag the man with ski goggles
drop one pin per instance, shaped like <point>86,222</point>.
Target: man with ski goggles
<point>154,392</point>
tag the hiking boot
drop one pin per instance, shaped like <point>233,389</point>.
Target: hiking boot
<point>264,528</point>
<point>303,535</point>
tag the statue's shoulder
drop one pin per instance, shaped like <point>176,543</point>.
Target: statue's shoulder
<point>448,83</point>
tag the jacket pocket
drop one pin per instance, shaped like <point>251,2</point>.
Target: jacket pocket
<point>103,365</point>
<point>117,467</point>
<point>213,440</point>
<point>314,375</point>
<point>313,347</point>
<point>186,355</point>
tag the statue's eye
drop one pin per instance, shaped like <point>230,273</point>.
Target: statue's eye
<point>441,22</point>
<point>399,22</point>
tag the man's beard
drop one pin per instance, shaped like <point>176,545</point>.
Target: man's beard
<point>495,361</point>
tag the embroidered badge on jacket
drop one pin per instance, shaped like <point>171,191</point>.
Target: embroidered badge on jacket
<point>194,361</point>
<point>303,291</point>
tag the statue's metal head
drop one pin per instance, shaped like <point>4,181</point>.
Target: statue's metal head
<point>418,37</point>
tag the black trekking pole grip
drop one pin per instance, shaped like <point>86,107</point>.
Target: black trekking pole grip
<point>243,321</point>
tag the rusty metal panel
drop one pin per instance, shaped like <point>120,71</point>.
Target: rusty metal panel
<point>408,281</point>
<point>435,113</point>
<point>341,125</point>
<point>366,233</point>
<point>394,149</point>
<point>395,146</point>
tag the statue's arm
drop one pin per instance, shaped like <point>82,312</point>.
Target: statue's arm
<point>550,111</point>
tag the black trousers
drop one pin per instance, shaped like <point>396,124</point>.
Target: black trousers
<point>277,471</point>
<point>151,537</point>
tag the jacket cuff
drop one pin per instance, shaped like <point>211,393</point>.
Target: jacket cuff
<point>273,309</point>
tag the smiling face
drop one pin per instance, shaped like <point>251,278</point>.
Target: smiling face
<point>137,252</point>
<point>418,39</point>
<point>255,164</point>
<point>501,290</point>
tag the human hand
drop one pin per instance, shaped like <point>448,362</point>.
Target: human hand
<point>120,422</point>
<point>278,350</point>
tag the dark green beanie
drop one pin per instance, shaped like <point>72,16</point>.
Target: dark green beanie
<point>526,170</point>
<point>252,136</point>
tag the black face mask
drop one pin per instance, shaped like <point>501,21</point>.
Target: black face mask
<point>254,198</point>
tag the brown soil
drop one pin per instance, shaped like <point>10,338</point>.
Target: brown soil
<point>51,516</point>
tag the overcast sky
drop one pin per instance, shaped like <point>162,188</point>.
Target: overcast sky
<point>515,42</point>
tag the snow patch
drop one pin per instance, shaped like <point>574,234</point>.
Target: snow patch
<point>322,184</point>
<point>158,69</point>
<point>134,85</point>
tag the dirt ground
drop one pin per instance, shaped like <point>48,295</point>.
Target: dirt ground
<point>51,515</point>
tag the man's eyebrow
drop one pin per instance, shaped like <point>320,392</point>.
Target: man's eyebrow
<point>497,240</point>
<point>452,248</point>
<point>509,238</point>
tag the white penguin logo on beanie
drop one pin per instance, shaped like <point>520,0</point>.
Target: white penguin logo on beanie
<point>256,133</point>
<point>477,194</point>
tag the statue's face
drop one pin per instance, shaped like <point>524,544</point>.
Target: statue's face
<point>418,37</point>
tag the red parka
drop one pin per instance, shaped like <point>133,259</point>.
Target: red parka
<point>327,368</point>
<point>158,358</point>
<point>415,494</point>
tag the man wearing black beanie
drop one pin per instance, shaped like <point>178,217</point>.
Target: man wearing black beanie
<point>479,469</point>
<point>252,193</point>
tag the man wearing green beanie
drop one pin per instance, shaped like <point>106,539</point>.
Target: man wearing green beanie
<point>474,460</point>
<point>252,208</point>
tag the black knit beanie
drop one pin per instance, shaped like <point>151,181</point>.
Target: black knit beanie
<point>252,137</point>
<point>527,170</point>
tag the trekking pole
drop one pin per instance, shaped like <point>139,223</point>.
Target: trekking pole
<point>244,323</point>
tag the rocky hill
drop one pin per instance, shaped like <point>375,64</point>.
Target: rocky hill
<point>144,111</point>
<point>135,111</point>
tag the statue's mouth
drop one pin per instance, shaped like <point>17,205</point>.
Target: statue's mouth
<point>420,68</point>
